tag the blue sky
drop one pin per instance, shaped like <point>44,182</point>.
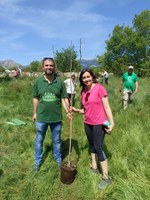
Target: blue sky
<point>32,29</point>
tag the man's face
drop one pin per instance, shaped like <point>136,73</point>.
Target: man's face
<point>130,71</point>
<point>48,67</point>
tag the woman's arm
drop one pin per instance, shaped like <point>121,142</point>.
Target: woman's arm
<point>80,111</point>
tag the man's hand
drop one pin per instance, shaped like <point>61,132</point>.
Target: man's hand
<point>136,91</point>
<point>34,117</point>
<point>69,115</point>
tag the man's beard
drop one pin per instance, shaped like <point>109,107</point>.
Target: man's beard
<point>49,72</point>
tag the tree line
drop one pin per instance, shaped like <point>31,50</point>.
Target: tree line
<point>129,46</point>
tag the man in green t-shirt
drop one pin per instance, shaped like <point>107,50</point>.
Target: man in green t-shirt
<point>49,94</point>
<point>129,84</point>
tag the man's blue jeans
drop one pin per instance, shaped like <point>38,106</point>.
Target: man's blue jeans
<point>41,128</point>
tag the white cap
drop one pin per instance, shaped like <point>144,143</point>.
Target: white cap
<point>130,67</point>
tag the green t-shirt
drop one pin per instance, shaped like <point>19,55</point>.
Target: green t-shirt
<point>129,81</point>
<point>49,96</point>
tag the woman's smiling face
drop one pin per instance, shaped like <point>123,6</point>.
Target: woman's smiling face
<point>87,79</point>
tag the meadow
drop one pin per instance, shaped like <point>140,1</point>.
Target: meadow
<point>127,149</point>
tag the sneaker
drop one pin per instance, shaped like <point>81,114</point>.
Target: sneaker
<point>104,183</point>
<point>96,171</point>
<point>36,168</point>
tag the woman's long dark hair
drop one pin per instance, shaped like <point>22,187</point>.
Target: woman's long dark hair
<point>91,73</point>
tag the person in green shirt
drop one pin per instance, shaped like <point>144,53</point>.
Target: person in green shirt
<point>129,86</point>
<point>49,94</point>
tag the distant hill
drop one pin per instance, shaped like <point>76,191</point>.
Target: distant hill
<point>85,63</point>
<point>9,63</point>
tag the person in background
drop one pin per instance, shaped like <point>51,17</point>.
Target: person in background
<point>49,94</point>
<point>20,71</point>
<point>97,111</point>
<point>105,75</point>
<point>129,86</point>
<point>71,88</point>
<point>16,73</point>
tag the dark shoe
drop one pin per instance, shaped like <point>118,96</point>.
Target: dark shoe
<point>36,168</point>
<point>104,183</point>
<point>96,171</point>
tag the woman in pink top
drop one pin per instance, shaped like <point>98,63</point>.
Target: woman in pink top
<point>96,110</point>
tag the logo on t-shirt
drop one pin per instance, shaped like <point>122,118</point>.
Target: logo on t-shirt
<point>49,97</point>
<point>130,79</point>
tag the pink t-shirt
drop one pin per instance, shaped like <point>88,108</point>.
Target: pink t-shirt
<point>94,112</point>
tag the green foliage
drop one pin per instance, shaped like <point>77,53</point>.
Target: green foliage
<point>2,69</point>
<point>26,69</point>
<point>35,66</point>
<point>96,70</point>
<point>141,24</point>
<point>128,46</point>
<point>127,149</point>
<point>66,60</point>
<point>142,27</point>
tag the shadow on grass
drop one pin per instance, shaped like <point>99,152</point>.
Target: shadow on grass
<point>48,148</point>
<point>108,153</point>
<point>65,148</point>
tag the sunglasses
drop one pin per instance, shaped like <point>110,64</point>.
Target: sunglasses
<point>87,96</point>
<point>48,58</point>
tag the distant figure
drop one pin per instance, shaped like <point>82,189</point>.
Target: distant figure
<point>16,73</point>
<point>129,84</point>
<point>105,75</point>
<point>71,88</point>
<point>19,70</point>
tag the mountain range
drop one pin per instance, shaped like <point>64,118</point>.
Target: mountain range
<point>9,63</point>
<point>85,63</point>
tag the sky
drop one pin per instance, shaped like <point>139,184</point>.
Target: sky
<point>33,29</point>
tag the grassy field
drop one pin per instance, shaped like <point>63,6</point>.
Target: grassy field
<point>127,149</point>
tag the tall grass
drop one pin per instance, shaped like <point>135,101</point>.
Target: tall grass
<point>127,149</point>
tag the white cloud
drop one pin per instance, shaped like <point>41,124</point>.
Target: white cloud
<point>74,21</point>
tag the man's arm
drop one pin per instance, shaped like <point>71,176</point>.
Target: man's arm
<point>66,105</point>
<point>136,87</point>
<point>35,105</point>
<point>121,85</point>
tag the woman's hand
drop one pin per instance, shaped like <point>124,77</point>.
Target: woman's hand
<point>73,109</point>
<point>80,111</point>
<point>109,129</point>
